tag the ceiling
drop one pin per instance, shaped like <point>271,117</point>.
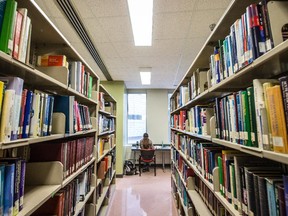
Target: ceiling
<point>180,28</point>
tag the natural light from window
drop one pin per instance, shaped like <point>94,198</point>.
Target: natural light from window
<point>136,117</point>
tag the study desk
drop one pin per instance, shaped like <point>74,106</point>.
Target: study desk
<point>158,148</point>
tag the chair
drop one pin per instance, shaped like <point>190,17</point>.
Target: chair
<point>147,156</point>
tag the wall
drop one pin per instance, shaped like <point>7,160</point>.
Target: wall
<point>157,115</point>
<point>118,91</point>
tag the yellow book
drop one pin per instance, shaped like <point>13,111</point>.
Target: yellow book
<point>1,95</point>
<point>277,119</point>
<point>267,85</point>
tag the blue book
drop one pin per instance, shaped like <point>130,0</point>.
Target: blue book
<point>8,189</point>
<point>65,104</point>
<point>27,115</point>
<point>21,185</point>
<point>50,112</point>
<point>44,128</point>
<point>271,196</point>
<point>2,10</point>
<point>2,175</point>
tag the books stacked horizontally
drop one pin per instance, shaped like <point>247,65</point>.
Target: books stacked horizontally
<point>15,30</point>
<point>256,116</point>
<point>70,73</point>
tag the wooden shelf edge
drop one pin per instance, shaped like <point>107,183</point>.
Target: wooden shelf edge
<point>198,203</point>
<point>35,196</point>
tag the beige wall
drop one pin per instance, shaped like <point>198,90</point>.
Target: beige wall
<point>118,91</point>
<point>157,115</point>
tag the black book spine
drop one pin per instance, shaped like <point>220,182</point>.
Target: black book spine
<point>284,89</point>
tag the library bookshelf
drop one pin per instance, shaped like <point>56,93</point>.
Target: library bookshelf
<point>58,166</point>
<point>106,146</point>
<point>209,171</point>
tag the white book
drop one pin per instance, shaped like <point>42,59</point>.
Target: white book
<point>7,115</point>
<point>34,124</point>
<point>23,48</point>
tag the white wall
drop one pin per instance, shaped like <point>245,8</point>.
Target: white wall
<point>157,115</point>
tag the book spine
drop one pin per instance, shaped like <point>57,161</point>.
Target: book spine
<point>251,101</point>
<point>284,89</point>
<point>22,184</point>
<point>9,189</point>
<point>26,123</point>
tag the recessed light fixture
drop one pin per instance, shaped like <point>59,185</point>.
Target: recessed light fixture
<point>141,16</point>
<point>145,74</point>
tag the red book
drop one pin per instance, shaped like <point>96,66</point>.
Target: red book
<point>17,34</point>
<point>52,60</point>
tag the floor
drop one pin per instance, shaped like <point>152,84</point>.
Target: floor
<point>147,195</point>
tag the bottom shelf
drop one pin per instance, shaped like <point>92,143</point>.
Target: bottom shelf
<point>37,195</point>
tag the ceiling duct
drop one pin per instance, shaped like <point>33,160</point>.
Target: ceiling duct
<point>71,14</point>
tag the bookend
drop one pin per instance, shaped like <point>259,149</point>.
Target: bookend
<point>216,183</point>
<point>212,127</point>
<point>59,73</point>
<point>190,183</point>
<point>58,123</point>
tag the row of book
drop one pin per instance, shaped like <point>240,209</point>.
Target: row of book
<point>196,120</point>
<point>252,35</point>
<point>105,105</point>
<point>64,202</point>
<point>105,143</point>
<point>105,123</point>
<point>12,181</point>
<point>72,154</point>
<point>187,181</point>
<point>15,30</point>
<point>26,113</point>
<point>253,185</point>
<point>256,116</point>
<point>197,84</point>
<point>78,78</point>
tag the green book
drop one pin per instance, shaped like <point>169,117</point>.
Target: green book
<point>6,35</point>
<point>220,165</point>
<point>90,86</point>
<point>252,112</point>
<point>246,119</point>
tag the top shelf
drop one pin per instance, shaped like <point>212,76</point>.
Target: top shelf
<point>275,60</point>
<point>45,35</point>
<point>107,95</point>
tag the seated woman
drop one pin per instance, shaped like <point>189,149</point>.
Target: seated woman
<point>146,143</point>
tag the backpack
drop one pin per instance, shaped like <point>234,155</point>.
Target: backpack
<point>129,168</point>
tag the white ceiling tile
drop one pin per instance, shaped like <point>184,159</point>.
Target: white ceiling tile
<point>117,28</point>
<point>107,50</point>
<point>95,30</point>
<point>215,4</point>
<point>105,8</point>
<point>161,6</point>
<point>201,21</point>
<point>171,25</point>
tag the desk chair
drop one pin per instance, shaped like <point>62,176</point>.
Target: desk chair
<point>147,156</point>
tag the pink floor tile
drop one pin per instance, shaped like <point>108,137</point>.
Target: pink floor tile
<point>147,195</point>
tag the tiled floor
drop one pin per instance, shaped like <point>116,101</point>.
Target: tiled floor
<point>147,195</point>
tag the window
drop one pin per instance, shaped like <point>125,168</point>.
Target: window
<point>136,116</point>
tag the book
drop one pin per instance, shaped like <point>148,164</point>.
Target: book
<point>65,104</point>
<point>24,41</point>
<point>2,11</point>
<point>23,12</point>
<point>52,60</point>
<point>6,39</point>
<point>16,183</point>
<point>277,119</point>
<point>16,84</point>
<point>16,43</point>
<point>284,89</point>
<point>8,189</point>
<point>280,199</point>
<point>34,122</point>
<point>27,115</point>
<point>6,116</point>
<point>2,178</point>
<point>270,185</point>
<point>22,113</point>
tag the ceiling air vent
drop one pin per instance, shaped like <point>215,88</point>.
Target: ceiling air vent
<point>71,14</point>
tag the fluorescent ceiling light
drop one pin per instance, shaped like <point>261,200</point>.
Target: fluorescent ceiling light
<point>141,12</point>
<point>145,77</point>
